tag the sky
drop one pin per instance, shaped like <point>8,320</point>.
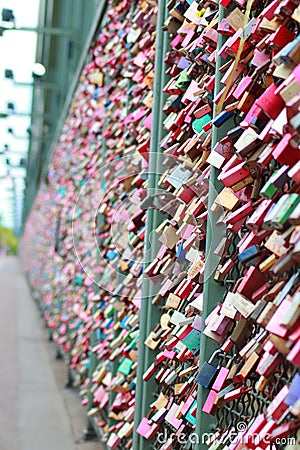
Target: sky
<point>17,52</point>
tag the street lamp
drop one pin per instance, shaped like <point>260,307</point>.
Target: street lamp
<point>17,136</point>
<point>26,137</point>
<point>13,153</point>
<point>9,18</point>
<point>8,15</point>
<point>11,111</point>
<point>22,163</point>
<point>38,73</point>
<point>10,107</point>
<point>38,70</point>
<point>9,74</point>
<point>7,150</point>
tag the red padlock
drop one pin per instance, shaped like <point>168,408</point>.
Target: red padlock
<point>270,103</point>
<point>277,407</point>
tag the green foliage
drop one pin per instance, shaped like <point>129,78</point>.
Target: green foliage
<point>8,241</point>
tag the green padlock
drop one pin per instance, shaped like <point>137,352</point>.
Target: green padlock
<point>79,281</point>
<point>125,366</point>
<point>269,189</point>
<point>275,183</point>
<point>189,417</point>
<point>198,124</point>
<point>192,341</point>
<point>183,80</point>
<point>283,209</point>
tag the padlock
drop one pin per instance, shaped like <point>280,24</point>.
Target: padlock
<point>260,292</point>
<point>294,354</point>
<point>268,364</point>
<point>188,402</point>
<point>278,406</point>
<point>286,152</point>
<point>293,395</point>
<point>234,175</point>
<point>159,416</point>
<point>254,429</point>
<point>221,325</point>
<point>270,103</point>
<point>275,182</point>
<point>250,256</point>
<point>247,142</point>
<point>284,263</point>
<point>227,199</point>
<point>208,372</point>
<point>274,324</point>
<point>237,393</point>
<point>261,384</point>
<point>147,428</point>
<point>241,333</point>
<point>238,214</point>
<point>244,306</point>
<point>280,344</point>
<point>220,395</point>
<point>281,37</point>
<point>262,439</point>
<point>252,279</point>
<point>222,377</point>
<point>247,367</point>
<point>252,238</point>
<point>209,406</point>
<point>283,210</point>
<point>150,371</point>
<point>284,430</point>
<point>259,307</point>
<point>292,315</point>
<point>171,416</point>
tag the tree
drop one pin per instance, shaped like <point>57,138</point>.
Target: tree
<point>8,241</point>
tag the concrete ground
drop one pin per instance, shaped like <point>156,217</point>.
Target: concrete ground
<point>37,412</point>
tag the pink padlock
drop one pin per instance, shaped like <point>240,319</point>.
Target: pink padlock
<point>209,406</point>
<point>221,379</point>
<point>277,407</point>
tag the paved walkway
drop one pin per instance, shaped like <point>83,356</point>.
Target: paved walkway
<point>36,411</point>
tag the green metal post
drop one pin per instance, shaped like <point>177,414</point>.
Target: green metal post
<point>212,291</point>
<point>153,312</point>
<point>90,433</point>
<point>149,314</point>
<point>90,430</point>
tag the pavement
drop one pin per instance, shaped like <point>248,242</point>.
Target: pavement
<point>37,411</point>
